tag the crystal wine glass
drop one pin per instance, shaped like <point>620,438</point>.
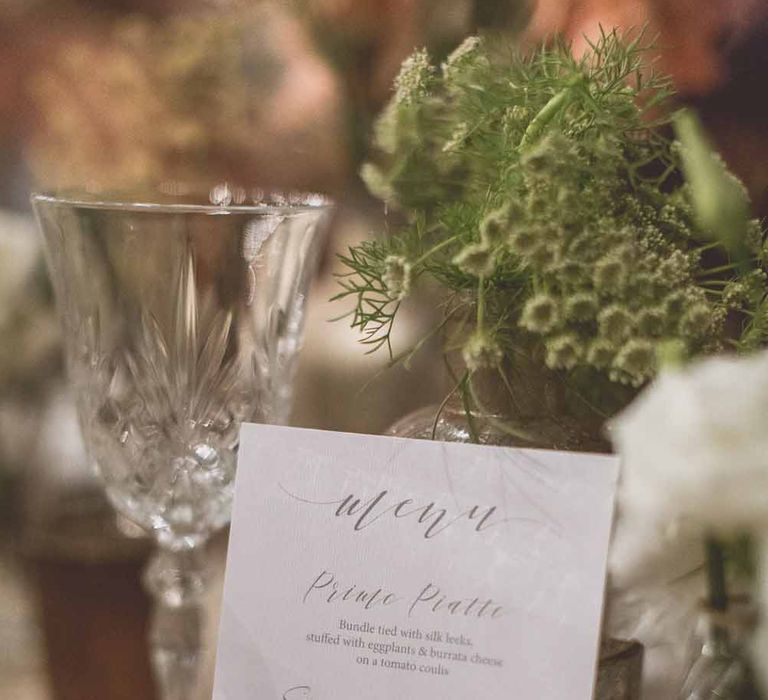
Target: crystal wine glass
<point>181,320</point>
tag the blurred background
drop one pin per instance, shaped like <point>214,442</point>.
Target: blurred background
<point>106,94</point>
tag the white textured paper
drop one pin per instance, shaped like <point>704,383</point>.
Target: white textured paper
<point>374,568</point>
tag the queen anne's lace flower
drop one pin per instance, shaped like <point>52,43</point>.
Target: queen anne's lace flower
<point>635,362</point>
<point>476,259</point>
<point>397,277</point>
<point>544,256</point>
<point>696,320</point>
<point>481,351</point>
<point>600,353</point>
<point>376,182</point>
<point>540,314</point>
<point>582,306</point>
<point>494,228</point>
<point>537,203</point>
<point>519,113</point>
<point>415,79</point>
<point>387,130</point>
<point>675,305</point>
<point>564,351</point>
<point>571,272</point>
<point>611,273</point>
<point>457,139</point>
<point>523,240</point>
<point>676,268</point>
<point>650,322</point>
<point>583,247</point>
<point>463,56</point>
<point>615,323</point>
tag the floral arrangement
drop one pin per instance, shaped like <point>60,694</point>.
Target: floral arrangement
<point>566,214</point>
<point>546,197</point>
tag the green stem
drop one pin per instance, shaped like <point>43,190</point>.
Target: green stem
<point>465,400</point>
<point>481,303</point>
<point>435,249</point>
<point>718,590</point>
<point>708,246</point>
<point>443,404</point>
<point>715,283</point>
<point>547,113</point>
<point>717,587</point>
<point>722,268</point>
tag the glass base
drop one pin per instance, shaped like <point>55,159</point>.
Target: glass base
<point>452,424</point>
<point>720,667</point>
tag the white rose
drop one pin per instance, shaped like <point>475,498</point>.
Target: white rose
<point>695,445</point>
<point>695,459</point>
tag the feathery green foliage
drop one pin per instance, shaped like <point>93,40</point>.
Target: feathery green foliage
<point>542,192</point>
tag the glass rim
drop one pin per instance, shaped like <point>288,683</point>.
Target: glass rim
<point>296,202</point>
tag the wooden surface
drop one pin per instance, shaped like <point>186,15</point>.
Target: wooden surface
<point>94,619</point>
<point>74,630</point>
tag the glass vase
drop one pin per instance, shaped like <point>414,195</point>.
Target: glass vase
<point>181,320</point>
<point>525,405</point>
<point>521,404</point>
<point>720,668</point>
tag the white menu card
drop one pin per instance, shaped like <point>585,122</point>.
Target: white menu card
<point>378,568</point>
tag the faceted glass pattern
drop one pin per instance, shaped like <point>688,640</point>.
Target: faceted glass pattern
<point>180,322</point>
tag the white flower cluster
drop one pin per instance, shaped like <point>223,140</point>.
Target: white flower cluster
<point>414,80</point>
<point>462,58</point>
<point>695,444</point>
